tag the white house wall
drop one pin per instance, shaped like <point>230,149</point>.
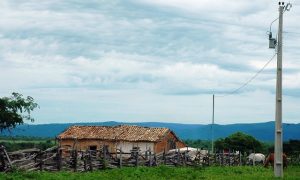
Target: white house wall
<point>127,146</point>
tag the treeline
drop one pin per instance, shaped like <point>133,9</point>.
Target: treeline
<point>23,138</point>
<point>237,141</point>
<point>292,147</point>
<point>14,143</point>
<point>245,143</point>
<point>201,144</point>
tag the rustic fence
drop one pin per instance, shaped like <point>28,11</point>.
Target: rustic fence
<point>56,159</point>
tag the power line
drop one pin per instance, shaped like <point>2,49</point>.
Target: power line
<point>272,23</point>
<point>258,72</point>
<point>291,32</point>
<point>251,79</point>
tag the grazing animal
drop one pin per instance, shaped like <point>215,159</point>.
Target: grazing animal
<point>270,160</point>
<point>256,158</point>
<point>193,153</point>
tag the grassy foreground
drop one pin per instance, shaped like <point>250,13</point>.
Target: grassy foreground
<point>161,172</point>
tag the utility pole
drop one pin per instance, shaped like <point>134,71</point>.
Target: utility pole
<point>212,125</point>
<point>278,164</point>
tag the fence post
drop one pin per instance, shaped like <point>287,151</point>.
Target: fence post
<point>240,158</point>
<point>164,157</point>
<point>136,158</point>
<point>75,160</point>
<point>184,158</point>
<point>120,161</point>
<point>58,158</point>
<point>214,158</point>
<point>208,159</point>
<point>223,158</point>
<point>150,158</point>
<point>2,167</point>
<point>104,152</point>
<point>155,159</point>
<point>178,154</point>
<point>199,154</point>
<point>85,161</point>
<point>104,157</point>
<point>185,155</point>
<point>229,163</point>
<point>40,160</point>
<point>90,161</point>
<point>7,157</point>
<point>244,158</point>
<point>146,154</point>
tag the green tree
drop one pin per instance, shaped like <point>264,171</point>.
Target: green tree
<point>14,110</point>
<point>239,141</point>
<point>198,143</point>
<point>220,144</point>
<point>292,147</point>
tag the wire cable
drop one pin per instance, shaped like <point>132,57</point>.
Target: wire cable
<point>251,79</point>
<point>272,24</point>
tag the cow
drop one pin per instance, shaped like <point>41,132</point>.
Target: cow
<point>270,160</point>
<point>255,158</point>
<point>193,153</point>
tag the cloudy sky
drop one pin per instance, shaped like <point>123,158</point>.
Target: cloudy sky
<point>148,60</point>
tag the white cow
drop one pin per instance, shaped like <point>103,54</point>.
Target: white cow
<point>256,158</point>
<point>191,152</point>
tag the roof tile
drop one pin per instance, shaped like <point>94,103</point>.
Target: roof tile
<point>121,132</point>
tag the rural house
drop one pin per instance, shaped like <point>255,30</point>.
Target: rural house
<point>121,136</point>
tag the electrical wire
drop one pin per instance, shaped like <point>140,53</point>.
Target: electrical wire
<point>251,79</point>
<point>290,32</point>
<point>272,24</point>
<point>287,8</point>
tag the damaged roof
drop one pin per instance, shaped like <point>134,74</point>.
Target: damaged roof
<point>120,132</point>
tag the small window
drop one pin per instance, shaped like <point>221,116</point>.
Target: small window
<point>93,148</point>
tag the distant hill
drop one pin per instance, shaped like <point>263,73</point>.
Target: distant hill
<point>262,131</point>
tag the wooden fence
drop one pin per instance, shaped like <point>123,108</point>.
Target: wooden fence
<point>56,159</point>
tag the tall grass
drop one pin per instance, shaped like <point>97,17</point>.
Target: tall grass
<point>161,172</point>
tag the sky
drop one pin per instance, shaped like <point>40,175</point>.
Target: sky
<point>148,60</point>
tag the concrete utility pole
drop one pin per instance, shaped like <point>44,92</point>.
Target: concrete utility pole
<point>212,126</point>
<point>278,163</point>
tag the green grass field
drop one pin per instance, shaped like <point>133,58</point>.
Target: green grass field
<point>161,172</point>
<point>12,143</point>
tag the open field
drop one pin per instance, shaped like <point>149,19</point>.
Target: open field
<point>15,143</point>
<point>161,172</point>
<point>22,139</point>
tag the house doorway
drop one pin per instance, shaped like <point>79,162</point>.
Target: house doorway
<point>93,148</point>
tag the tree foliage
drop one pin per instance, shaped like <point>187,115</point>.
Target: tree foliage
<point>197,143</point>
<point>239,141</point>
<point>291,147</point>
<point>15,109</point>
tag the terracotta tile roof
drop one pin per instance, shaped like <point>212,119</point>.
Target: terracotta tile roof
<point>121,132</point>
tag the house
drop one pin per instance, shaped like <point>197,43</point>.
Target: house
<point>125,137</point>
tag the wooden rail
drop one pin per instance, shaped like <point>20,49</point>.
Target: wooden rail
<point>57,159</point>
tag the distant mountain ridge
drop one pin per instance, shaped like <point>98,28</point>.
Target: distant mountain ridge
<point>262,131</point>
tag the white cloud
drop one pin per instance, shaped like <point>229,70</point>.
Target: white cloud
<point>213,5</point>
<point>146,60</point>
